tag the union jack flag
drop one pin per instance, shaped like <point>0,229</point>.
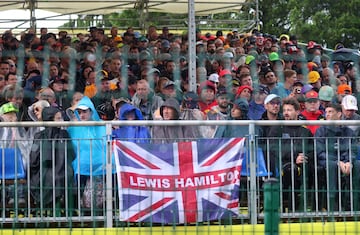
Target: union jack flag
<point>182,182</point>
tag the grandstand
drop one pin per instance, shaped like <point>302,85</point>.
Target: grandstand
<point>122,189</point>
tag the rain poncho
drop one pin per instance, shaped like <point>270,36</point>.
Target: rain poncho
<point>89,143</point>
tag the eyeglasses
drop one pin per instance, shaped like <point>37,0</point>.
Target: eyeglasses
<point>275,102</point>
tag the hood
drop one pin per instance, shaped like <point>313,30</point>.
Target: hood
<point>42,103</point>
<point>48,113</point>
<point>172,103</point>
<point>128,108</point>
<point>88,103</point>
<point>243,105</point>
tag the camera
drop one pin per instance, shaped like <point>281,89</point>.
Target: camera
<point>297,90</point>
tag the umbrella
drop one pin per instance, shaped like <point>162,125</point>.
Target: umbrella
<point>346,54</point>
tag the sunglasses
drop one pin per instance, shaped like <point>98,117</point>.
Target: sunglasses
<point>37,109</point>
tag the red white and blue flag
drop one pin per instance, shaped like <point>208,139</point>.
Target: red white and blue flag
<point>182,182</point>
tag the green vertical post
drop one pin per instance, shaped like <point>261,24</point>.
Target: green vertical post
<point>271,206</point>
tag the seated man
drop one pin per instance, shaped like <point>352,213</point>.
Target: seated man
<point>291,148</point>
<point>336,156</point>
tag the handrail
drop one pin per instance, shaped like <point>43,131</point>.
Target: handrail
<point>183,122</point>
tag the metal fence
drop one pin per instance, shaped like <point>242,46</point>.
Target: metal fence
<point>307,194</point>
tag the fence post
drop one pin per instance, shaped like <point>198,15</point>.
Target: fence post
<point>109,191</point>
<point>252,153</point>
<point>271,206</point>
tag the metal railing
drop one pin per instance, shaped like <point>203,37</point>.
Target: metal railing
<point>305,202</point>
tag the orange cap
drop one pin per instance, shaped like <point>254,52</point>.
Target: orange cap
<point>344,89</point>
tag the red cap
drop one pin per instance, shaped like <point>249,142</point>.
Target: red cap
<point>311,95</point>
<point>206,84</point>
<point>224,72</point>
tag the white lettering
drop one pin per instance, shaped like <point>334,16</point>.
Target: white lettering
<point>213,180</point>
<point>189,183</point>
<point>132,182</point>
<point>230,176</point>
<point>141,182</point>
<point>166,183</point>
<point>179,183</point>
<point>199,181</point>
<point>222,177</point>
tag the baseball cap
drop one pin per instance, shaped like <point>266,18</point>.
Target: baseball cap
<point>235,82</point>
<point>344,89</point>
<point>349,102</point>
<point>8,108</point>
<point>326,93</point>
<point>224,72</point>
<point>273,56</point>
<point>313,77</point>
<point>311,95</point>
<point>221,91</point>
<point>206,85</point>
<point>191,100</point>
<point>199,43</point>
<point>118,39</point>
<point>214,77</point>
<point>249,59</point>
<point>143,39</point>
<point>298,82</point>
<point>56,79</point>
<point>103,75</point>
<point>228,54</point>
<point>165,44</point>
<point>154,70</point>
<point>306,88</point>
<point>82,107</point>
<point>168,83</point>
<point>270,98</point>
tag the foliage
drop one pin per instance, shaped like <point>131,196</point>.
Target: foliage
<point>323,21</point>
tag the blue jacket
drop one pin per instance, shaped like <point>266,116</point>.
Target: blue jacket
<point>137,134</point>
<point>89,143</point>
<point>334,143</point>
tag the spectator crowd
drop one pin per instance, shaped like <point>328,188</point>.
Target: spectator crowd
<point>130,76</point>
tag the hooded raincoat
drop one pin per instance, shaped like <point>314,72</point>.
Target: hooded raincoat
<point>137,134</point>
<point>89,143</point>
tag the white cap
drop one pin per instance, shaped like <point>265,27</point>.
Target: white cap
<point>214,77</point>
<point>228,54</point>
<point>270,98</point>
<point>82,107</point>
<point>349,102</point>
